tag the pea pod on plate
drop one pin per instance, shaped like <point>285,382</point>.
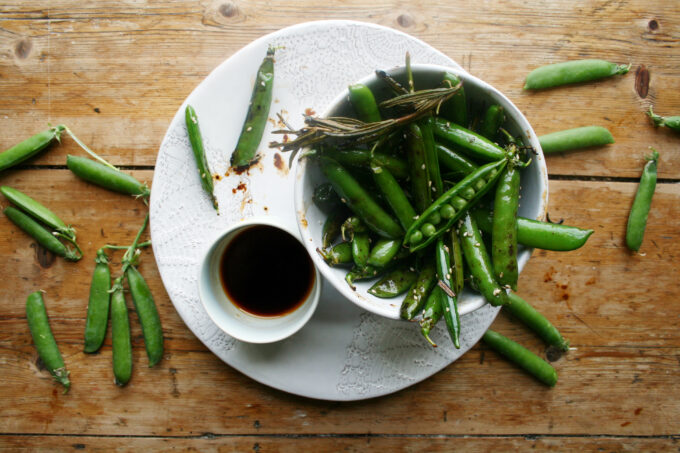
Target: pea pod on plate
<point>419,291</point>
<point>363,101</point>
<point>194,131</point>
<point>467,141</point>
<point>394,283</point>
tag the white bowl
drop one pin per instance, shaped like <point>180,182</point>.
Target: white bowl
<point>534,185</point>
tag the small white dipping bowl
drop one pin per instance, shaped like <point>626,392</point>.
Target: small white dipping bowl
<point>534,185</point>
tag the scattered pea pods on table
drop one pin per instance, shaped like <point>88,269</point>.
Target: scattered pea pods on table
<point>575,71</point>
<point>196,140</point>
<point>120,335</point>
<point>637,219</point>
<point>40,234</point>
<point>671,122</point>
<point>29,147</point>
<point>522,310</point>
<point>38,211</point>
<point>577,138</point>
<point>106,176</point>
<point>147,313</point>
<point>98,304</point>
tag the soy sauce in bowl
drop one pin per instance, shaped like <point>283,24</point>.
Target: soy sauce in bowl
<point>266,272</point>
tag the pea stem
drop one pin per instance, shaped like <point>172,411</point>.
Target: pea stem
<point>88,150</point>
<point>125,247</point>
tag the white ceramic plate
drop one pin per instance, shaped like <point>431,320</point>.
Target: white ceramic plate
<point>343,353</point>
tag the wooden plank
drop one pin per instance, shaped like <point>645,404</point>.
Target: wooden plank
<point>156,54</point>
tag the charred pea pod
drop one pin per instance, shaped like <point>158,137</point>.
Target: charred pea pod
<point>524,358</point>
<point>194,131</point>
<point>43,339</point>
<point>338,254</point>
<point>38,211</point>
<point>537,234</point>
<point>448,299</point>
<point>120,336</point>
<point>637,219</point>
<point>325,198</point>
<point>455,109</point>
<point>431,159</point>
<point>29,147</point>
<point>504,228</point>
<point>522,310</point>
<point>359,201</point>
<point>364,159</point>
<point>455,202</point>
<point>350,226</point>
<point>396,282</point>
<point>417,161</point>
<point>147,313</point>
<point>419,291</point>
<point>432,313</point>
<point>493,119</point>
<point>575,71</point>
<point>245,153</point>
<point>383,252</point>
<point>458,164</point>
<point>361,248</point>
<point>394,195</point>
<point>570,139</point>
<point>672,122</point>
<point>98,305</point>
<point>361,273</point>
<point>106,177</point>
<point>40,234</point>
<point>332,226</point>
<point>363,101</point>
<point>479,263</point>
<point>471,143</point>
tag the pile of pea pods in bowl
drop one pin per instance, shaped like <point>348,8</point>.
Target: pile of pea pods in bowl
<point>400,184</point>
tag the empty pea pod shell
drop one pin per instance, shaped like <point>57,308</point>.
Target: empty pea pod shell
<point>575,71</point>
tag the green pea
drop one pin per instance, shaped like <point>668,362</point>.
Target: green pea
<point>467,193</point>
<point>428,229</point>
<point>447,211</point>
<point>416,237</point>
<point>435,218</point>
<point>458,203</point>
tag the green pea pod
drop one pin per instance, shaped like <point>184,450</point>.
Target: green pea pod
<point>325,198</point>
<point>350,226</point>
<point>361,248</point>
<point>260,101</point>
<point>29,147</point>
<point>455,109</point>
<point>417,161</point>
<point>338,254</point>
<point>37,211</point>
<point>98,305</point>
<point>504,228</point>
<point>637,219</point>
<point>672,122</point>
<point>457,263</point>
<point>361,273</point>
<point>120,333</point>
<point>384,252</point>
<point>396,282</point>
<point>479,263</point>
<point>449,300</point>
<point>364,104</point>
<point>43,339</point>
<point>577,138</point>
<point>431,159</point>
<point>362,158</point>
<point>456,162</point>
<point>522,310</point>
<point>106,177</point>
<point>452,205</point>
<point>147,313</point>
<point>40,234</point>
<point>537,234</point>
<point>524,358</point>
<point>575,71</point>
<point>332,226</point>
<point>471,143</point>
<point>194,131</point>
<point>419,291</point>
<point>493,120</point>
<point>394,195</point>
<point>432,313</point>
<point>359,201</point>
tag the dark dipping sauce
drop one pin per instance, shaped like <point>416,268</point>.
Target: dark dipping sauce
<point>266,272</point>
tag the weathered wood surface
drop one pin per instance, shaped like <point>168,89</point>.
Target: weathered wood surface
<point>116,72</point>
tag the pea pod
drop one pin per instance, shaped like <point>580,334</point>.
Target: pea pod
<point>396,282</point>
<point>419,291</point>
<point>325,198</point>
<point>637,219</point>
<point>361,273</point>
<point>493,120</point>
<point>107,177</point>
<point>362,158</point>
<point>449,300</point>
<point>432,313</point>
<point>363,101</point>
<point>575,71</point>
<point>571,139</point>
<point>332,226</point>
<point>40,234</point>
<point>120,334</point>
<point>29,147</point>
<point>417,161</point>
<point>452,205</point>
<point>455,109</point>
<point>454,161</point>
<point>394,195</point>
<point>351,226</point>
<point>361,248</point>
<point>479,263</point>
<point>537,234</point>
<point>245,153</point>
<point>504,228</point>
<point>37,211</point>
<point>432,161</point>
<point>359,201</point>
<point>672,122</point>
<point>383,252</point>
<point>338,254</point>
<point>522,310</point>
<point>457,265</point>
<point>98,305</point>
<point>194,131</point>
<point>471,143</point>
<point>524,358</point>
<point>43,339</point>
<point>147,313</point>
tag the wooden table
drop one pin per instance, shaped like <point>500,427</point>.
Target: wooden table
<point>116,71</point>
